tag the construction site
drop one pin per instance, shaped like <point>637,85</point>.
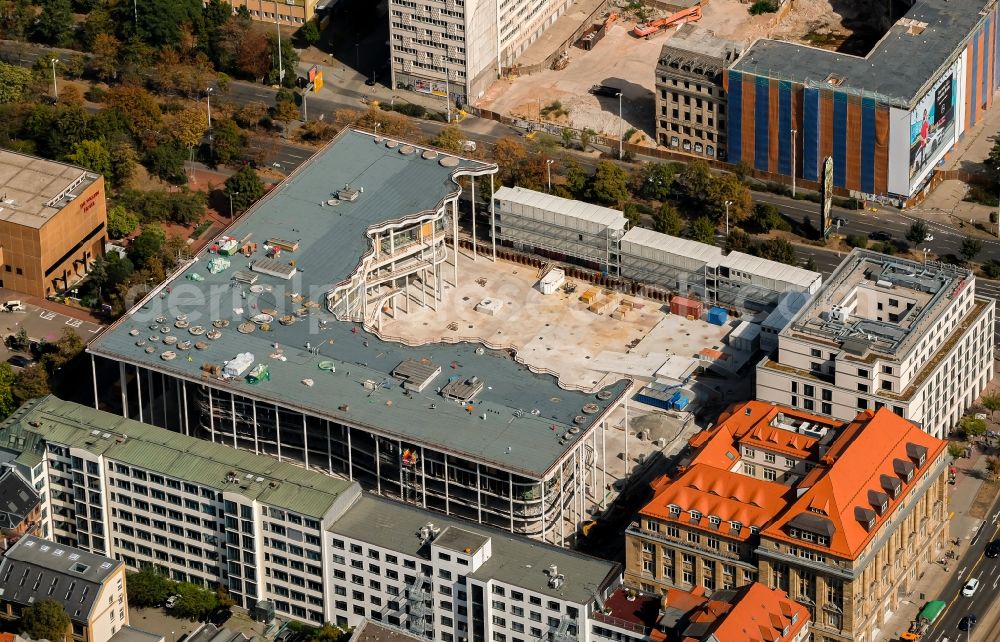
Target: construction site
<point>621,48</point>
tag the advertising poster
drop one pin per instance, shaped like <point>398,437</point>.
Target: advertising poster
<point>932,126</point>
<point>825,221</point>
<point>430,87</point>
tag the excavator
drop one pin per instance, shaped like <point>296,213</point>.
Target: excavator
<point>645,30</point>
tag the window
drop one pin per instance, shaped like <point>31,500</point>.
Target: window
<point>748,452</point>
<point>886,385</point>
<point>808,390</point>
<point>749,469</point>
<point>769,457</point>
<point>826,409</point>
<point>815,352</point>
<point>769,474</point>
<point>862,404</point>
<point>827,395</point>
<point>863,373</point>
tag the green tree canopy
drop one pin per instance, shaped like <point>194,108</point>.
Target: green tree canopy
<point>93,155</point>
<point>310,33</point>
<point>121,222</point>
<point>656,180</point>
<point>148,587</point>
<point>7,402</point>
<point>703,230</point>
<point>991,401</point>
<point>54,25</point>
<point>767,217</point>
<point>668,221</point>
<point>14,82</point>
<point>148,244</point>
<point>917,232</point>
<point>245,187</point>
<point>970,248</point>
<point>609,184</point>
<point>194,601</point>
<point>228,140</point>
<point>972,426</point>
<point>450,139</point>
<point>45,620</point>
<point>166,161</point>
<point>31,382</point>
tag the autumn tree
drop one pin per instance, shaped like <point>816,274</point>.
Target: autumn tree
<point>140,110</point>
<point>188,126</point>
<point>726,188</point>
<point>245,188</point>
<point>609,184</point>
<point>703,230</point>
<point>508,153</point>
<point>54,25</point>
<point>252,59</point>
<point>30,383</point>
<point>91,154</point>
<point>285,111</point>
<point>390,123</point>
<point>450,139</point>
<point>668,221</point>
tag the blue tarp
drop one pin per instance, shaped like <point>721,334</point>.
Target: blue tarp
<point>717,316</point>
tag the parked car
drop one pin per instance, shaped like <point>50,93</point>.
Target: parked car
<point>13,306</point>
<point>468,145</point>
<point>970,587</point>
<point>993,549</point>
<point>21,361</point>
<point>880,235</point>
<point>928,237</point>
<point>172,601</point>
<point>605,90</point>
<point>967,622</point>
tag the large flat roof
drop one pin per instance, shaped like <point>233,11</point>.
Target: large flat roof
<point>516,423</point>
<point>926,291</point>
<point>172,454</point>
<point>515,560</point>
<point>899,69</point>
<point>709,254</point>
<point>756,265</point>
<point>33,190</point>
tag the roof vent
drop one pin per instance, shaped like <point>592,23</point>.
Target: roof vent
<point>428,532</point>
<point>349,194</point>
<point>835,80</point>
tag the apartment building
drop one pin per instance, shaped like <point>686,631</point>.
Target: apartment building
<point>690,95</point>
<point>456,49</point>
<point>447,580</point>
<point>285,12</point>
<point>355,235</point>
<point>842,516</point>
<point>90,587</point>
<point>886,332</point>
<point>52,223</point>
<point>752,612</point>
<point>20,507</point>
<point>205,513</point>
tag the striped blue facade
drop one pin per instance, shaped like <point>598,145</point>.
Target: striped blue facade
<point>761,136</point>
<point>839,139</point>
<point>868,145</point>
<point>785,127</point>
<point>735,120</point>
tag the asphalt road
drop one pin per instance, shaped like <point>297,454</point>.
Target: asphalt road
<point>972,564</point>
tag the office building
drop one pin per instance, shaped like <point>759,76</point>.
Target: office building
<point>466,44</point>
<point>842,516</point>
<point>52,223</point>
<point>91,588</point>
<point>447,580</point>
<point>690,95</point>
<point>885,118</point>
<point>355,234</point>
<point>886,332</point>
<point>287,12</point>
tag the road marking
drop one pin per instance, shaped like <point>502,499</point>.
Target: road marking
<point>961,571</point>
<point>74,323</point>
<point>993,570</point>
<point>995,516</point>
<point>47,315</point>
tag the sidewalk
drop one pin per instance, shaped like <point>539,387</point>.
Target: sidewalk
<point>970,478</point>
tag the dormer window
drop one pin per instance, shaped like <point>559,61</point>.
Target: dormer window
<point>793,532</point>
<point>735,527</point>
<point>675,510</point>
<point>695,516</point>
<point>879,501</point>
<point>904,469</point>
<point>916,453</point>
<point>866,517</point>
<point>714,521</point>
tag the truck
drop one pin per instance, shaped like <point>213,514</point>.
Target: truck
<point>930,613</point>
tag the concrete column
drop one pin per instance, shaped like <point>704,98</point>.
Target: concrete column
<point>473,187</point>
<point>184,404</point>
<point>277,430</point>
<point>232,411</point>
<point>423,479</point>
<point>493,220</point>
<point>378,468</point>
<point>479,494</point>
<point>138,388</point>
<point>211,415</point>
<point>454,235</point>
<point>350,455</point>
<point>123,384</point>
<point>93,376</point>
<point>305,443</point>
<point>256,429</point>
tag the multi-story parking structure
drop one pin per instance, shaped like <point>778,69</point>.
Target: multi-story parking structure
<point>844,517</point>
<point>447,580</point>
<point>297,542</point>
<point>464,44</point>
<point>886,332</point>
<point>204,513</point>
<point>464,429</point>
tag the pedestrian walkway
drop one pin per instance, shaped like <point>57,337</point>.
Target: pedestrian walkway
<point>970,474</point>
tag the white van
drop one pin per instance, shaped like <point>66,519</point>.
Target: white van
<point>13,306</point>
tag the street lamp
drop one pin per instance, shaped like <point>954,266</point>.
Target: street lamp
<point>926,250</point>
<point>728,203</point>
<point>231,204</point>
<point>548,171</point>
<point>55,88</point>
<point>621,131</point>
<point>793,162</point>
<point>376,129</point>
<point>208,100</point>
<point>281,67</point>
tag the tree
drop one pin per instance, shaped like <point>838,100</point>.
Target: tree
<point>147,245</point>
<point>285,111</point>
<point>972,427</point>
<point>228,140</point>
<point>656,180</point>
<point>568,136</point>
<point>7,403</point>
<point>160,23</point>
<point>68,347</point>
<point>106,50</point>
<point>508,153</point>
<point>991,401</point>
<point>123,162</point>
<point>166,161</point>
<point>289,61</point>
<point>148,587</point>
<point>450,139</point>
<point>992,164</point>
<point>917,232</point>
<point>188,126</point>
<point>767,217</point>
<point>726,188</point>
<point>14,82</point>
<point>45,620</point>
<point>576,179</point>
<point>609,184</point>
<point>139,109</point>
<point>743,169</point>
<point>970,248</point>
<point>310,33</point>
<point>703,230</point>
<point>779,250</point>
<point>739,241</point>
<point>694,182</point>
<point>327,633</point>
<point>586,137</point>
<point>121,222</point>
<point>252,55</point>
<point>93,155</point>
<point>993,466</point>
<point>667,220</point>
<point>245,187</point>
<point>194,601</point>
<point>632,214</point>
<point>31,382</point>
<point>15,17</point>
<point>955,450</point>
<point>54,25</point>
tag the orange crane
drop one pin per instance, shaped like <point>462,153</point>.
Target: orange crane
<point>644,30</point>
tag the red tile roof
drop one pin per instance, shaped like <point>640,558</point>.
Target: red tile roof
<point>761,614</point>
<point>875,449</point>
<point>730,496</point>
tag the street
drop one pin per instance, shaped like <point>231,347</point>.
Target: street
<point>973,564</point>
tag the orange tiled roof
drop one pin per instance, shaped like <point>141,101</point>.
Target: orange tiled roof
<point>871,456</point>
<point>761,614</point>
<point>715,448</point>
<point>720,493</point>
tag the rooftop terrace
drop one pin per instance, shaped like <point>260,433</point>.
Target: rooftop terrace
<point>32,189</point>
<point>517,421</point>
<point>899,69</point>
<point>847,308</point>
